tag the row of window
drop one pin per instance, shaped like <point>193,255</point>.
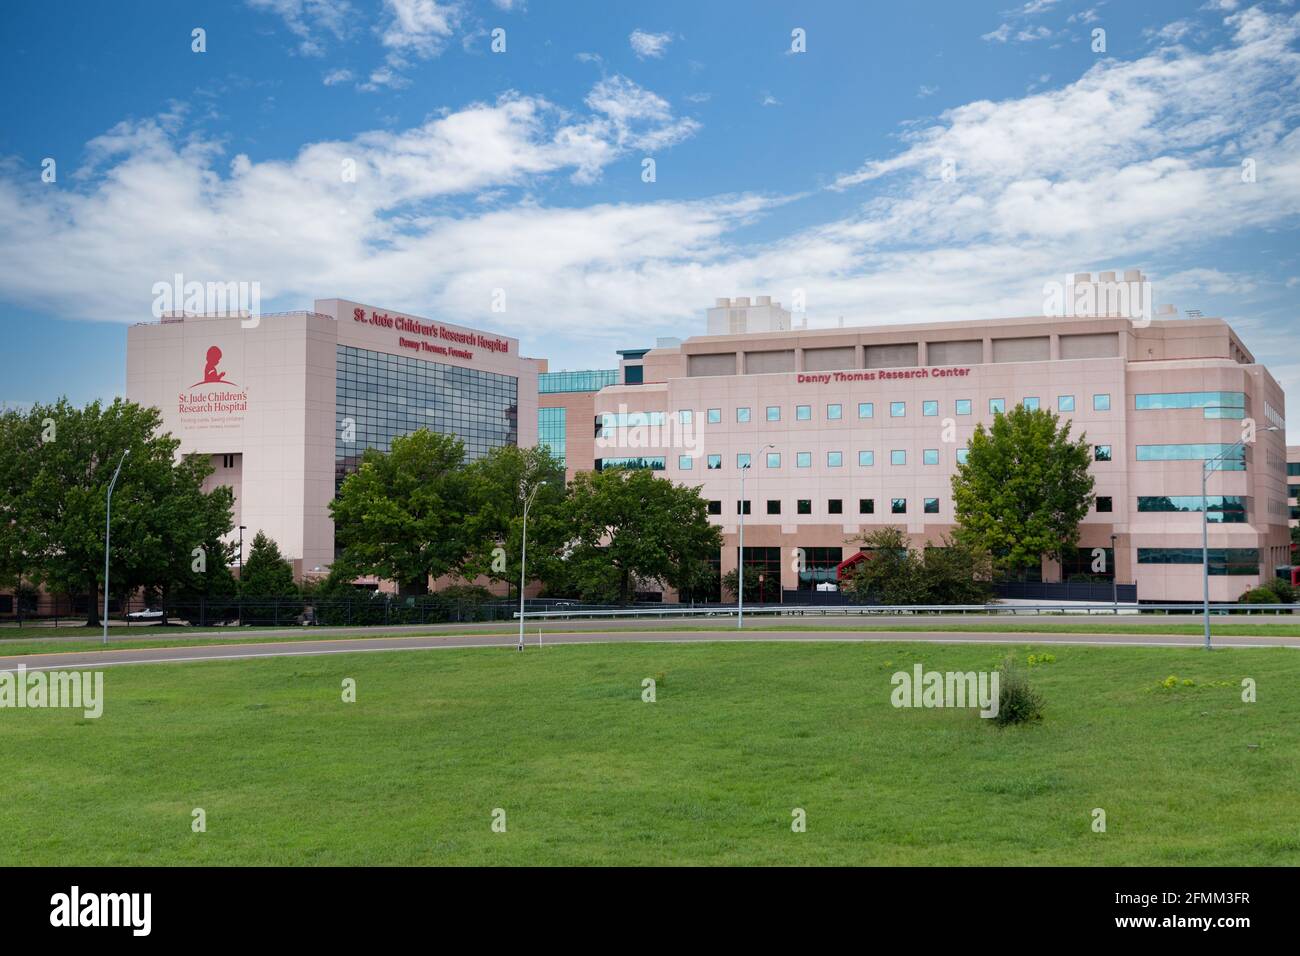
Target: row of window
<point>834,506</point>
<point>929,409</point>
<point>835,459</point>
<point>1223,561</point>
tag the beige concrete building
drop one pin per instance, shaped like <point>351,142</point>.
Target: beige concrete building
<point>285,404</point>
<point>847,429</point>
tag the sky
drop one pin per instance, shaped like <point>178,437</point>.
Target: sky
<point>816,172</point>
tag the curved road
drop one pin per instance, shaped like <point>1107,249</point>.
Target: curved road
<point>227,652</point>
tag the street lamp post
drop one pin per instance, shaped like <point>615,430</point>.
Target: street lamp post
<point>1207,467</point>
<point>1114,574</point>
<point>523,559</point>
<point>241,575</point>
<point>740,570</point>
<point>108,517</point>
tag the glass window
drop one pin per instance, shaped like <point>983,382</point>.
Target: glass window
<point>774,459</point>
<point>715,416</point>
<point>1234,455</point>
<point>773,506</point>
<point>1218,401</point>
<point>1065,403</point>
<point>774,413</point>
<point>1223,561</point>
<point>898,506</point>
<point>930,456</point>
<point>932,506</point>
<point>685,462</point>
<point>897,409</point>
<point>715,507</point>
<point>804,506</point>
<point>834,459</point>
<point>803,459</point>
<point>714,462</point>
<point>963,454</point>
<point>866,459</point>
<point>866,506</point>
<point>1101,453</point>
<point>685,416</point>
<point>648,462</point>
<point>929,409</point>
<point>866,409</point>
<point>997,405</point>
<point>963,406</point>
<point>742,414</point>
<point>742,459</point>
<point>1222,509</point>
<point>834,412</point>
<point>742,507</point>
<point>589,381</point>
<point>1105,504</point>
<point>1030,403</point>
<point>803,413</point>
<point>1101,403</point>
<point>898,457</point>
<point>835,506</point>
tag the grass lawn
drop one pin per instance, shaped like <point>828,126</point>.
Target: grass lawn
<point>589,773</point>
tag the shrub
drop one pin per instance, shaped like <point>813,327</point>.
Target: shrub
<point>1018,702</point>
<point>1282,590</point>
<point>1259,596</point>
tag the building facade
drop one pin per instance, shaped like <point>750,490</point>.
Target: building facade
<point>837,431</point>
<point>286,403</point>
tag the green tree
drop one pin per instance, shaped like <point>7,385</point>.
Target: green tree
<point>1295,535</point>
<point>56,462</point>
<point>402,515</point>
<point>266,573</point>
<point>730,581</point>
<point>956,573</point>
<point>1023,488</point>
<point>891,573</point>
<point>497,485</point>
<point>646,528</point>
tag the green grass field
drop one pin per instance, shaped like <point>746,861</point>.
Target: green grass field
<point>588,773</point>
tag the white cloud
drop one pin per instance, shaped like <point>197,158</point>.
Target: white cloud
<point>923,91</point>
<point>418,27</point>
<point>301,230</point>
<point>309,20</point>
<point>335,77</point>
<point>649,44</point>
<point>1000,35</point>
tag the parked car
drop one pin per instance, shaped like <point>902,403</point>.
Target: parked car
<point>149,615</point>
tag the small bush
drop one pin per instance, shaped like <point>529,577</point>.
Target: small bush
<point>1018,703</point>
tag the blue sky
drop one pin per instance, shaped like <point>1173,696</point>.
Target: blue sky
<point>775,171</point>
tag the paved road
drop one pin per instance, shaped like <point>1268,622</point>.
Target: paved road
<point>227,652</point>
<point>812,619</point>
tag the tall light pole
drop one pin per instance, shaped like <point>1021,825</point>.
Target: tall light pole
<point>523,559</point>
<point>1114,574</point>
<point>108,518</point>
<point>740,571</point>
<point>241,575</point>
<point>1206,468</point>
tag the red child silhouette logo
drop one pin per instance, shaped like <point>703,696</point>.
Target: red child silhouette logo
<point>210,373</point>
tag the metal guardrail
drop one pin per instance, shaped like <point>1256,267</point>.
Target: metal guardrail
<point>863,610</point>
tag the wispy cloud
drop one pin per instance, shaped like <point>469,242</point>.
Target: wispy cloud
<point>649,45</point>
